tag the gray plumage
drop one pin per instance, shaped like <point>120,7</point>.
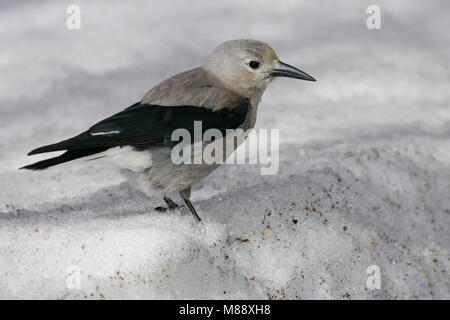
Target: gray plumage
<point>223,93</point>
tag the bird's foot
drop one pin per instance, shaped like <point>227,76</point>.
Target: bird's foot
<point>161,209</point>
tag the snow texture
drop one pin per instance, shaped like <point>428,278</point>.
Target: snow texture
<point>364,156</point>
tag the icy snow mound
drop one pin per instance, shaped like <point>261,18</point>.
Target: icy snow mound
<point>310,232</point>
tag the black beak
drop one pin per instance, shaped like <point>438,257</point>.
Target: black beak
<point>285,70</point>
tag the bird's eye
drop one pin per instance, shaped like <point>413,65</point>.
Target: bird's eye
<point>254,64</point>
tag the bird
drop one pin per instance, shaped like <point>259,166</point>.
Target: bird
<point>223,93</point>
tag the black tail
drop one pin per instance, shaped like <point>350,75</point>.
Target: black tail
<point>65,157</point>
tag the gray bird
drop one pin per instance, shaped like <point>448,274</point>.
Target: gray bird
<point>223,93</point>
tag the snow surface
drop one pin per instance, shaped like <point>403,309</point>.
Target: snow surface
<point>364,157</point>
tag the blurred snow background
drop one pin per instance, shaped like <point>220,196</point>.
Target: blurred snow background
<point>365,154</point>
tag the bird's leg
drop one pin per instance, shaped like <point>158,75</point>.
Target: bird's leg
<point>185,194</point>
<point>161,209</point>
<point>171,204</point>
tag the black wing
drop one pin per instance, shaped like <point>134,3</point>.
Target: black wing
<point>141,126</point>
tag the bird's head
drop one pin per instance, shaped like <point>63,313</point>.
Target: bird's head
<point>247,66</point>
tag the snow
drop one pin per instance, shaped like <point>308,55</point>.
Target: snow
<point>364,155</point>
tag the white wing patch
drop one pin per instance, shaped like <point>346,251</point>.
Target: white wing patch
<point>104,133</point>
<point>123,158</point>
